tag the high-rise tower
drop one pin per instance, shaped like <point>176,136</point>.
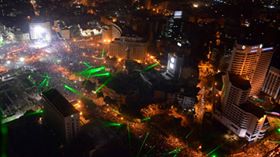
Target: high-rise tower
<point>239,115</point>
<point>251,62</point>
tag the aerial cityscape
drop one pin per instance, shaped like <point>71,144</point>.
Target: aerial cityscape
<point>140,78</point>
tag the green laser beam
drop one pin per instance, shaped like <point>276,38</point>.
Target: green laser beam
<point>128,135</point>
<point>103,85</point>
<point>175,151</point>
<point>146,119</point>
<point>214,155</point>
<point>4,132</point>
<point>2,42</point>
<point>89,72</point>
<point>151,66</point>
<point>71,89</point>
<point>146,136</point>
<point>93,70</point>
<point>116,111</point>
<point>102,74</point>
<point>213,150</point>
<point>87,64</point>
<point>4,139</point>
<point>112,124</point>
<point>189,134</point>
<point>115,124</point>
<point>37,112</point>
<point>103,53</point>
<point>44,83</point>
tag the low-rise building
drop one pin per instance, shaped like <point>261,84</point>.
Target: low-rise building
<point>128,48</point>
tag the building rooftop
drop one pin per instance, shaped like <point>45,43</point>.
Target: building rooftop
<point>59,102</point>
<point>239,82</point>
<point>252,108</point>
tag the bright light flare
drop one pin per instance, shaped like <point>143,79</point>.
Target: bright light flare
<point>195,5</point>
<point>21,59</point>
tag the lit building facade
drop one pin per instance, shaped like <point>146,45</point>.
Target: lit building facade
<point>61,115</point>
<point>174,27</point>
<point>251,63</point>
<point>271,84</point>
<point>247,121</point>
<point>261,70</point>
<point>110,33</point>
<point>128,48</point>
<point>236,90</point>
<point>174,66</point>
<point>240,116</point>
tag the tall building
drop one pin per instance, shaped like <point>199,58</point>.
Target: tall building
<point>61,115</point>
<point>236,91</point>
<point>244,60</point>
<point>251,63</point>
<point>240,116</point>
<point>271,84</point>
<point>174,27</point>
<point>174,66</point>
<point>261,70</point>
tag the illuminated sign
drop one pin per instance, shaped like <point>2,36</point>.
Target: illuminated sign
<point>178,14</point>
<point>267,49</point>
<point>171,63</point>
<point>252,51</point>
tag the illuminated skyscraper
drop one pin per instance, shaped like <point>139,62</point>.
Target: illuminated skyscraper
<point>236,90</point>
<point>174,27</point>
<point>261,70</point>
<point>251,63</point>
<point>174,66</point>
<point>247,70</point>
<point>240,116</point>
